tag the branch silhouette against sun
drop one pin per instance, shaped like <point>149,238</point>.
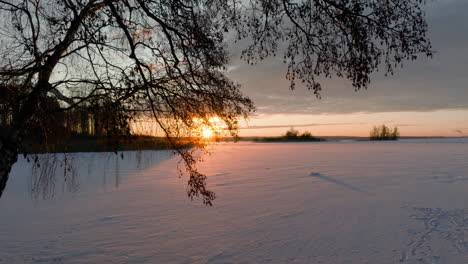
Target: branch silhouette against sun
<point>167,59</point>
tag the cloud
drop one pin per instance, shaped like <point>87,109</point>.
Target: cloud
<point>407,125</point>
<point>423,85</point>
<point>460,131</point>
<point>300,125</point>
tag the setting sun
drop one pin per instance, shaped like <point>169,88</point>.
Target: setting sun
<point>207,128</point>
<point>207,132</point>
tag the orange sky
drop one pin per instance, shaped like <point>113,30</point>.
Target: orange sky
<point>450,123</point>
<point>447,123</point>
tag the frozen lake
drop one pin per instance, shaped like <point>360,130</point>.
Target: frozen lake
<point>330,202</point>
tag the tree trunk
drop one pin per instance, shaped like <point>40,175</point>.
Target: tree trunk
<point>8,157</point>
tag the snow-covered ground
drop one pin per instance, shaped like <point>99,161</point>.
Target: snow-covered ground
<point>330,202</point>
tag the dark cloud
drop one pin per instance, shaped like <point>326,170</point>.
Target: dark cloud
<point>423,85</point>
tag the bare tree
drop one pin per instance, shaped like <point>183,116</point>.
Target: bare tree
<point>167,58</point>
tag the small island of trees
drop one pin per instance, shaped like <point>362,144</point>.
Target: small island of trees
<point>384,133</point>
<point>292,135</point>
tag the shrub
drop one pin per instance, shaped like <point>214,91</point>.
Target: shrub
<point>384,133</point>
<point>306,135</point>
<point>291,133</point>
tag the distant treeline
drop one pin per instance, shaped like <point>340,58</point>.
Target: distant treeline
<point>292,135</point>
<point>384,133</point>
<point>97,126</point>
<point>81,143</point>
<point>98,117</point>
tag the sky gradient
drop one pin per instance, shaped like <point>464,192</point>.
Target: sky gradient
<point>427,97</point>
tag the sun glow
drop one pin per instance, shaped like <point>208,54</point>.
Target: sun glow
<point>207,132</point>
<point>208,129</point>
